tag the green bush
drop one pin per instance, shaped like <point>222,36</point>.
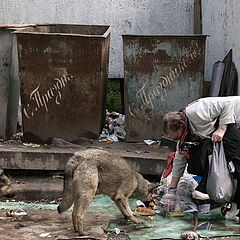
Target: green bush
<point>114,103</point>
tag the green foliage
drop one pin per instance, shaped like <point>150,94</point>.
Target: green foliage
<point>114,103</point>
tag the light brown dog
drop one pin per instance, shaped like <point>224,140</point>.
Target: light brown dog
<point>6,188</point>
<point>97,171</point>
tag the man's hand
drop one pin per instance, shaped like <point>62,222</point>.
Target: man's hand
<point>217,136</point>
<point>169,200</point>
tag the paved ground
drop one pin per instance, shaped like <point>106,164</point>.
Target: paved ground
<point>103,222</point>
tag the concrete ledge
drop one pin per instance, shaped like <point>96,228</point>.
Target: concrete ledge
<point>142,158</point>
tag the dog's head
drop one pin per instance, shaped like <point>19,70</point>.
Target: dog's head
<point>6,189</point>
<point>144,190</point>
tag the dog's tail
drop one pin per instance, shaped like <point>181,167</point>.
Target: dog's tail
<point>67,200</point>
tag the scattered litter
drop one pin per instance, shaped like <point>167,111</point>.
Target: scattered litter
<point>199,195</point>
<point>185,204</point>
<point>204,208</point>
<point>18,213</point>
<point>189,235</point>
<point>120,132</point>
<point>45,235</point>
<point>180,214</point>
<point>112,137</point>
<point>9,213</point>
<point>114,129</point>
<point>57,176</point>
<point>205,226</point>
<point>117,230</point>
<point>140,203</point>
<point>143,211</point>
<point>152,142</point>
<point>82,237</point>
<point>31,145</point>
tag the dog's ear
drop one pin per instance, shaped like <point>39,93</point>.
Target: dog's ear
<point>151,186</point>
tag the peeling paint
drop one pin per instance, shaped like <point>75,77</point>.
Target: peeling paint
<point>162,74</point>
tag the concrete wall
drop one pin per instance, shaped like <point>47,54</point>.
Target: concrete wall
<point>222,22</point>
<point>125,16</point>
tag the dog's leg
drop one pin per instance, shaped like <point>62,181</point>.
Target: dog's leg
<point>125,209</point>
<point>85,188</point>
<point>121,201</point>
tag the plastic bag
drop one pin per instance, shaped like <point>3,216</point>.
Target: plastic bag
<point>219,181</point>
<point>181,199</point>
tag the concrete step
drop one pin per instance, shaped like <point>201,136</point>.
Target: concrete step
<point>33,188</point>
<point>37,171</point>
<point>141,157</point>
<point>42,185</point>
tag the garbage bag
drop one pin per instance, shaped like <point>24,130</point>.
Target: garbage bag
<point>219,181</point>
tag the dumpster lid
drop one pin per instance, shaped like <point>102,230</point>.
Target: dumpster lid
<point>88,31</point>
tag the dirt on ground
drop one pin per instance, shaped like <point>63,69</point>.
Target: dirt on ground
<point>43,224</point>
<point>48,224</point>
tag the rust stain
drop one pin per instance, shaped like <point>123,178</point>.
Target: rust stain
<point>161,74</point>
<point>63,83</point>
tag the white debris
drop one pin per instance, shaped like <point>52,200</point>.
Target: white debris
<point>189,235</point>
<point>45,235</point>
<point>117,231</point>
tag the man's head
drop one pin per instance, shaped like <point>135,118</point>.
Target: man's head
<point>173,125</point>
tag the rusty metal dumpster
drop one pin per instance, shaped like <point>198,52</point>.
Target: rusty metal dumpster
<point>9,86</point>
<point>161,74</point>
<point>63,73</point>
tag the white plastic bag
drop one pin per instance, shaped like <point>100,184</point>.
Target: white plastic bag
<point>219,182</point>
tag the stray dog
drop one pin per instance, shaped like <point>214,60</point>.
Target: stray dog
<point>95,171</point>
<point>6,188</point>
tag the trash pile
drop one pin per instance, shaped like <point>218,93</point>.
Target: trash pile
<point>187,200</point>
<point>114,129</point>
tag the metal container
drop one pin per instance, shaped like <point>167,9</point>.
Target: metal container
<point>9,86</point>
<point>161,74</point>
<point>63,72</point>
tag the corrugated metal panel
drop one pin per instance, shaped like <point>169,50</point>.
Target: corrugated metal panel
<point>63,73</point>
<point>162,74</point>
